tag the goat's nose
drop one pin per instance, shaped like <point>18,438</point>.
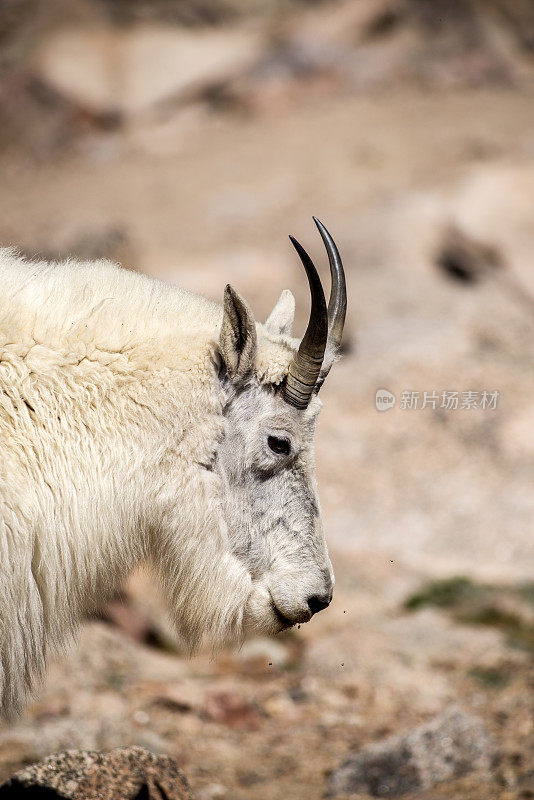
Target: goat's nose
<point>317,602</point>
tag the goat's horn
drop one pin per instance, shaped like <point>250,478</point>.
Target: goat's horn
<point>337,304</point>
<point>306,364</point>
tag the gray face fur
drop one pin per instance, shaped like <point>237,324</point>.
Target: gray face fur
<point>270,498</point>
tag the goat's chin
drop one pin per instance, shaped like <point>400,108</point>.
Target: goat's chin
<point>260,617</point>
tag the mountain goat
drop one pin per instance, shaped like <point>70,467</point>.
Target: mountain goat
<point>141,423</point>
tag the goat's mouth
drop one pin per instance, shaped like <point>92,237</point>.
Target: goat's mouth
<point>284,621</point>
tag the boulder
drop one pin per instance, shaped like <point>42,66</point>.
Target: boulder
<point>128,773</point>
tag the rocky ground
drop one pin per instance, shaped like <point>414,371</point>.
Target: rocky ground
<point>425,177</point>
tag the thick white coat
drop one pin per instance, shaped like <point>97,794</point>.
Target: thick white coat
<point>110,410</point>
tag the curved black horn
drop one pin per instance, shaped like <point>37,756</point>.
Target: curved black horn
<point>337,304</point>
<point>306,364</point>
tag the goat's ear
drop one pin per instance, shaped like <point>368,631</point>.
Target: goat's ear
<point>281,318</point>
<point>237,341</point>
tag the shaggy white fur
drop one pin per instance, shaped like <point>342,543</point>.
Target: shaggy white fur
<point>141,424</point>
<point>110,410</point>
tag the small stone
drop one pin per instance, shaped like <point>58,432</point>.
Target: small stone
<point>450,746</point>
<point>232,710</point>
<point>214,791</point>
<point>264,649</point>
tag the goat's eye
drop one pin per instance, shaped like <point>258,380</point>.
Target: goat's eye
<point>280,446</point>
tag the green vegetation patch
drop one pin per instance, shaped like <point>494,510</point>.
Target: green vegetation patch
<point>448,593</point>
<point>492,677</point>
<point>507,608</point>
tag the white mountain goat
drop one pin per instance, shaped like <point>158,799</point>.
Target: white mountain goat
<point>141,423</point>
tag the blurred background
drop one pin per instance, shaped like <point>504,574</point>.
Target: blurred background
<point>186,139</point>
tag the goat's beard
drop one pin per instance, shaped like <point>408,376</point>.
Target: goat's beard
<point>214,621</point>
<point>211,596</point>
<point>212,606</point>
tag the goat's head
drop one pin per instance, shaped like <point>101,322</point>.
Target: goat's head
<point>265,459</point>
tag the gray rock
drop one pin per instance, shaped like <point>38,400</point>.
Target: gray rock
<point>449,746</point>
<point>128,773</point>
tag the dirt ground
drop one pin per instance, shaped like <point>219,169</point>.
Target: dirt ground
<point>409,497</point>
